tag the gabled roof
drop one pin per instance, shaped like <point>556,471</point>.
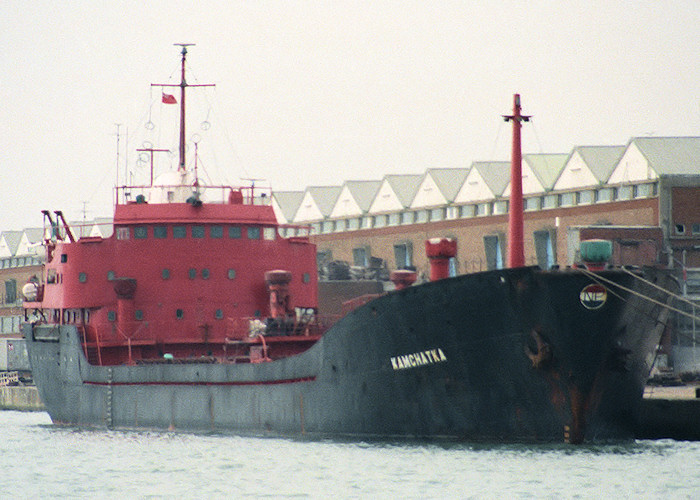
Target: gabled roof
<point>9,241</point>
<point>286,204</point>
<point>102,227</point>
<point>496,174</point>
<point>395,193</point>
<point>647,158</point>
<point>601,160</point>
<point>30,239</point>
<point>405,186</point>
<point>449,180</point>
<point>439,186</point>
<point>485,180</point>
<point>546,167</point>
<point>34,234</point>
<point>355,198</point>
<point>317,203</point>
<point>671,155</point>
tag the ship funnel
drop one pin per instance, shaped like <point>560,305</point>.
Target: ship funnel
<point>277,282</point>
<point>439,252</point>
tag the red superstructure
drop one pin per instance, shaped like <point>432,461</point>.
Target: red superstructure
<point>182,276</point>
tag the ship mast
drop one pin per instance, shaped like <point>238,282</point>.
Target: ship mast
<point>183,85</point>
<point>516,252</point>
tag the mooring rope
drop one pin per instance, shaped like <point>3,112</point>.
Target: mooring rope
<point>597,277</point>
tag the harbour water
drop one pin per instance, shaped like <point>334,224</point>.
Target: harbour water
<point>39,460</point>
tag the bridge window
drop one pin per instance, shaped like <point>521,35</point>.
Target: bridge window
<point>269,233</point>
<point>122,233</point>
<point>234,232</point>
<point>216,231</point>
<point>253,233</point>
<point>179,232</point>
<point>140,232</point>
<point>198,232</point>
<point>160,232</point>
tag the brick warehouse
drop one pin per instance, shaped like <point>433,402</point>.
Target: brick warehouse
<point>650,183</point>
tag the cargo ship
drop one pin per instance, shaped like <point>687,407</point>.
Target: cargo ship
<point>198,314</point>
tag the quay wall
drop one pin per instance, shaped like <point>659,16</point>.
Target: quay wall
<point>22,398</point>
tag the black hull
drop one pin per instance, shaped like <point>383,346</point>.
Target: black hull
<point>500,355</point>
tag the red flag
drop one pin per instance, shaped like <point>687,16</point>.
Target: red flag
<point>169,99</point>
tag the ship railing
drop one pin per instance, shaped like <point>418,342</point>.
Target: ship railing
<point>220,194</point>
<point>305,323</point>
<point>100,342</point>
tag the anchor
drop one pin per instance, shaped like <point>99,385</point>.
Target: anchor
<point>543,356</point>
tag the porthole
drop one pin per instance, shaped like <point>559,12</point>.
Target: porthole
<point>219,314</point>
<point>138,314</point>
<point>205,274</point>
<point>192,273</point>
<point>82,277</point>
<point>111,316</point>
<point>165,273</point>
<point>306,277</point>
<point>179,313</point>
<point>110,275</point>
<point>231,274</point>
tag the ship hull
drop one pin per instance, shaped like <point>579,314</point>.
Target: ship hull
<point>514,355</point>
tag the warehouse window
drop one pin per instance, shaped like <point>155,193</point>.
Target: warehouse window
<point>360,256</point>
<point>545,249</point>
<point>407,218</point>
<point>403,253</point>
<point>494,252</point>
<point>604,195</point>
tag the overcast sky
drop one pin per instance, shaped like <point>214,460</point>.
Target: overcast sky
<point>319,92</point>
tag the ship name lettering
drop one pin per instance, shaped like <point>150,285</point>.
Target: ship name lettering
<point>416,359</point>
